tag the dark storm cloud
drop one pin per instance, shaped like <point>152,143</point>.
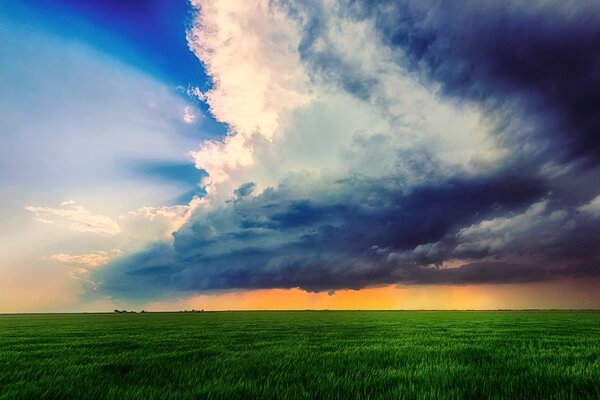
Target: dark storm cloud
<point>537,62</point>
<point>346,238</point>
<point>538,59</point>
<point>359,234</point>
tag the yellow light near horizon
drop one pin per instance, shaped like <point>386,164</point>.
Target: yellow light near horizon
<point>553,294</point>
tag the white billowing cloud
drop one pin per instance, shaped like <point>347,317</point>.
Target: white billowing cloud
<point>592,208</point>
<point>517,231</point>
<point>147,224</point>
<point>250,50</point>
<point>220,158</point>
<point>289,113</point>
<point>74,217</point>
<point>94,259</point>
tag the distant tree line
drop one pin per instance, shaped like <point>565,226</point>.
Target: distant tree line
<point>117,311</point>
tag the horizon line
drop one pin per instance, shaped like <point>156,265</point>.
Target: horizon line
<point>299,310</point>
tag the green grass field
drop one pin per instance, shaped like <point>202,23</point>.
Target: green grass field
<point>305,355</point>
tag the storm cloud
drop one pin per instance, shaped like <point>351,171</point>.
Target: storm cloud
<point>389,142</point>
<point>536,62</point>
<point>361,234</point>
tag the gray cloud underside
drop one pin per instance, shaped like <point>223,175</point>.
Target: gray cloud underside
<point>363,233</point>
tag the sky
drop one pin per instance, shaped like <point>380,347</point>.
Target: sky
<point>273,154</point>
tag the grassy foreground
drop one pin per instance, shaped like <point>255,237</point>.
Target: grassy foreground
<point>280,355</point>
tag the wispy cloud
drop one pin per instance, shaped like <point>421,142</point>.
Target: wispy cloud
<point>83,275</point>
<point>189,117</point>
<point>592,208</point>
<point>94,259</point>
<point>76,218</point>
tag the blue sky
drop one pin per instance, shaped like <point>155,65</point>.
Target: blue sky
<point>160,150</point>
<point>94,109</point>
<point>149,35</point>
<point>70,49</point>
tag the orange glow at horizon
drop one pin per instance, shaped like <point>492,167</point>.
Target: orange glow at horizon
<point>545,295</point>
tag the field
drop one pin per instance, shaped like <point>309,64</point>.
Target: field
<point>305,355</point>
